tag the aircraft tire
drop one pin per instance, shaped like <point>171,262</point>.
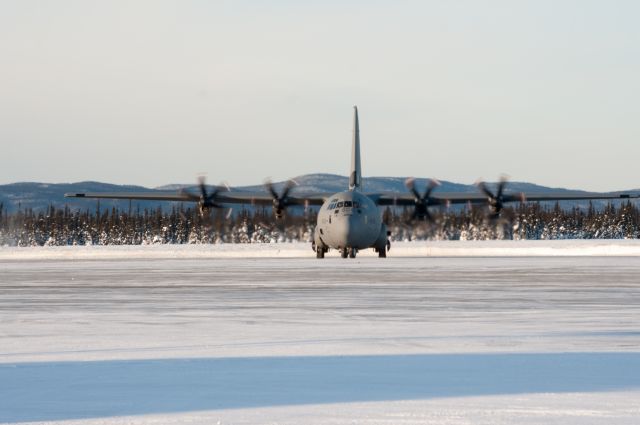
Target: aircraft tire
<point>382,253</point>
<point>352,253</point>
<point>344,253</point>
<point>319,252</point>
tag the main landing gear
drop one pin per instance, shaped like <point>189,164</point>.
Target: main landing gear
<point>382,251</point>
<point>320,249</point>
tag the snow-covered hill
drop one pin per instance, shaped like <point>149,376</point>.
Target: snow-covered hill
<point>39,196</point>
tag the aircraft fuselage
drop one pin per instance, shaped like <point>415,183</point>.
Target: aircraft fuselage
<point>350,220</point>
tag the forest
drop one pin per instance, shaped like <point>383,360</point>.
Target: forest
<point>180,225</point>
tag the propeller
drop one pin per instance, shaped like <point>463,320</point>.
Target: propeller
<point>205,200</point>
<point>280,200</point>
<point>423,201</point>
<point>496,200</point>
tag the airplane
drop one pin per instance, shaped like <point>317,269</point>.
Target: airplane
<point>350,221</point>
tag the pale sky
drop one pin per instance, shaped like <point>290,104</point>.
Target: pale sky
<point>156,92</point>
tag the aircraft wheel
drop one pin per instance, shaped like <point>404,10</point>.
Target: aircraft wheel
<point>382,253</point>
<point>319,252</point>
<point>345,253</point>
<point>352,253</point>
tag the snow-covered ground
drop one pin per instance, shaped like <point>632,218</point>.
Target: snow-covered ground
<point>454,333</point>
<point>497,248</point>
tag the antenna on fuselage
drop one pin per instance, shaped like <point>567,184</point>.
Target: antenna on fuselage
<point>355,176</point>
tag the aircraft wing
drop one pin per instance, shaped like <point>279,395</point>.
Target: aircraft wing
<point>444,198</point>
<point>141,196</point>
<point>224,197</point>
<point>261,198</point>
<point>441,198</point>
<point>381,198</point>
<point>578,197</point>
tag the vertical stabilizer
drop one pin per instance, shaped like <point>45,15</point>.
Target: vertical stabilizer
<point>355,177</point>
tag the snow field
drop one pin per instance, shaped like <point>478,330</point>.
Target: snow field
<point>497,248</point>
<point>149,335</point>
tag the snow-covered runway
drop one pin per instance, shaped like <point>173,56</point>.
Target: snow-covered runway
<point>165,338</point>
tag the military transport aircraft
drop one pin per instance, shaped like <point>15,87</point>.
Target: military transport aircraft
<point>350,221</point>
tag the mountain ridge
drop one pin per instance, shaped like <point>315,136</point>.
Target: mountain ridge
<point>38,196</point>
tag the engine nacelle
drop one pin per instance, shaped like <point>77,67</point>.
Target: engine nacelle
<point>278,212</point>
<point>204,210</point>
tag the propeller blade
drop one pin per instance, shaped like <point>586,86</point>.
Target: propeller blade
<point>410,183</point>
<point>290,184</point>
<point>428,216</point>
<point>269,186</point>
<point>216,191</point>
<point>432,185</point>
<point>422,202</point>
<point>523,197</point>
<point>496,201</point>
<point>501,187</point>
<point>203,189</point>
<point>280,200</point>
<point>483,187</point>
<point>205,200</point>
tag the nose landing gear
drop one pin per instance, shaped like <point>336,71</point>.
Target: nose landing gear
<point>348,252</point>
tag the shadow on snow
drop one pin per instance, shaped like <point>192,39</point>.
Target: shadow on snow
<point>49,391</point>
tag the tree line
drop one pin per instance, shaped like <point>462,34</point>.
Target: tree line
<point>180,225</point>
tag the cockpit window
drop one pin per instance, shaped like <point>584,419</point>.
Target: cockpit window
<point>335,204</point>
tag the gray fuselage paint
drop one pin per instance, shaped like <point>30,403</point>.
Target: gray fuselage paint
<point>348,219</point>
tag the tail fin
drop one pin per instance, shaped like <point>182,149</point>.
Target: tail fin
<point>355,177</point>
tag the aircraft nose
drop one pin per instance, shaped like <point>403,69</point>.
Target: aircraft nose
<point>354,229</point>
